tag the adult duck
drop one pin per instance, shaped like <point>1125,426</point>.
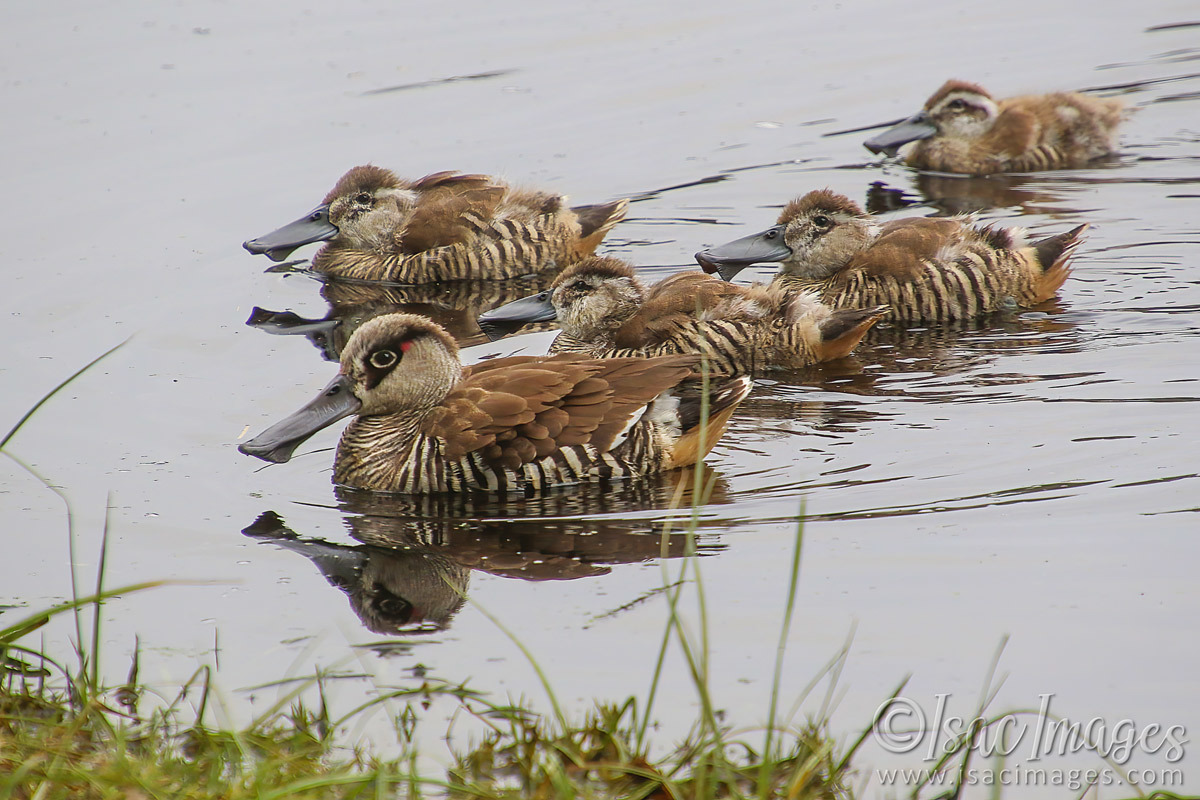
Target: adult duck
<point>424,423</point>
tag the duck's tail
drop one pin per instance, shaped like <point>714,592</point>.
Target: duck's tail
<point>842,330</point>
<point>1053,256</point>
<point>596,221</point>
<point>701,434</point>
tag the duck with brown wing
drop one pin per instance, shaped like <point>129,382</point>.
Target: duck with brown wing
<point>443,227</point>
<point>424,423</point>
<point>606,311</point>
<point>963,129</point>
<point>927,270</point>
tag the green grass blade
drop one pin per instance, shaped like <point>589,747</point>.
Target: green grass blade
<point>37,619</point>
<point>100,569</point>
<point>29,414</point>
<point>862,737</point>
<point>785,629</point>
<point>533,662</point>
<point>70,514</point>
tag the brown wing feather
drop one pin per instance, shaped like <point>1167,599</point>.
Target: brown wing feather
<point>508,361</point>
<point>523,203</point>
<point>516,410</point>
<point>460,423</point>
<point>904,244</point>
<point>633,383</point>
<point>1015,131</point>
<point>439,220</point>
<point>688,291</point>
<point>452,181</point>
<point>684,293</point>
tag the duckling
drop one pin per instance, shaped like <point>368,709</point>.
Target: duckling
<point>445,226</point>
<point>963,129</point>
<point>605,311</point>
<point>426,424</point>
<point>925,269</point>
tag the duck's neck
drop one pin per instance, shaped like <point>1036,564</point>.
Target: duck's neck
<point>568,342</point>
<point>376,451</point>
<point>348,261</point>
<point>790,282</point>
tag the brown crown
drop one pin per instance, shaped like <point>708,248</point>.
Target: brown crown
<point>601,266</point>
<point>825,200</point>
<point>366,178</point>
<point>955,86</point>
<point>395,328</point>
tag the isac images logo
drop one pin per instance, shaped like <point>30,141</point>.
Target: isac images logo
<point>1025,743</point>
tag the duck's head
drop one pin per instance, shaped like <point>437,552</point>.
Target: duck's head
<point>366,210</point>
<point>395,363</point>
<point>408,591</point>
<point>958,110</point>
<point>815,236</point>
<point>590,300</point>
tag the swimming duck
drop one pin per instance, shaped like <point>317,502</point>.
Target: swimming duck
<point>925,269</point>
<point>445,226</point>
<point>963,129</point>
<point>425,423</point>
<point>606,311</point>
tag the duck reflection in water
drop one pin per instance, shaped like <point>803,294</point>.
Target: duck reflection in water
<point>952,195</point>
<point>455,305</point>
<point>409,574</point>
<point>939,363</point>
<point>400,589</point>
<point>955,361</point>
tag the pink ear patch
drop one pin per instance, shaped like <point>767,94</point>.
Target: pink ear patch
<point>405,345</point>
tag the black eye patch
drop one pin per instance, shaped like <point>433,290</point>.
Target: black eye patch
<point>382,360</point>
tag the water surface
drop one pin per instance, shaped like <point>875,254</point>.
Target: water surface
<point>1033,477</point>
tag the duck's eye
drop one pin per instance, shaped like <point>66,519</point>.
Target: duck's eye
<point>395,608</point>
<point>822,221</point>
<point>382,359</point>
<point>581,286</point>
<point>956,105</point>
<point>363,198</point>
